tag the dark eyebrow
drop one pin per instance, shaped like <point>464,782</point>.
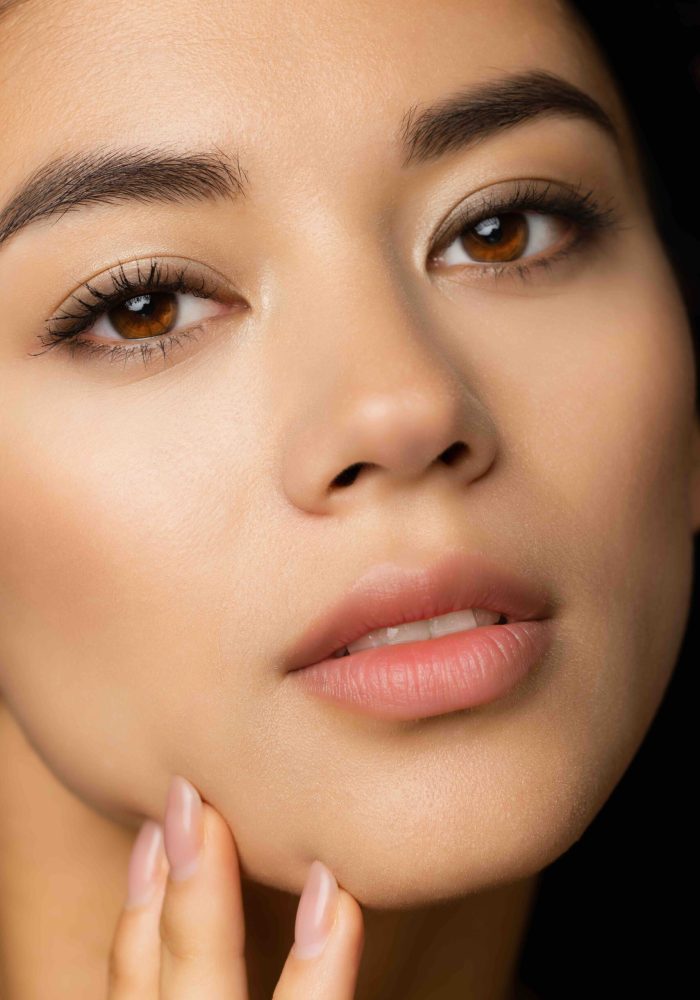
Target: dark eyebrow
<point>8,6</point>
<point>475,113</point>
<point>109,176</point>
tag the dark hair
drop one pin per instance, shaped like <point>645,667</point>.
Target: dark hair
<point>608,919</point>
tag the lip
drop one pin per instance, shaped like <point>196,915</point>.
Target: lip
<point>415,680</point>
<point>390,594</point>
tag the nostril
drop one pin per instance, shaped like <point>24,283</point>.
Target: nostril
<point>453,453</point>
<point>348,476</point>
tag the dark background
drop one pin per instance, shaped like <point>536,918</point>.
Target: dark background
<point>616,914</point>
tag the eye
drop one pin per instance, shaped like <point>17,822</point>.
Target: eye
<point>517,229</point>
<point>141,310</point>
<point>153,314</point>
<point>505,237</point>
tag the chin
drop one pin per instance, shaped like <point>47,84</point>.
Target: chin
<point>441,854</point>
<point>397,880</point>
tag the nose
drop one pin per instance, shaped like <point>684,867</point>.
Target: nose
<point>383,397</point>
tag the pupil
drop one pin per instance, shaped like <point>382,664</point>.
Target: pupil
<point>144,302</point>
<point>490,229</point>
<point>498,238</point>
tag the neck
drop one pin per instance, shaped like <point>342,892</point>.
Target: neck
<point>62,883</point>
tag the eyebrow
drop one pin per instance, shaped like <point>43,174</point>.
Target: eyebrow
<point>473,114</point>
<point>154,175</point>
<point>7,6</point>
<point>109,176</point>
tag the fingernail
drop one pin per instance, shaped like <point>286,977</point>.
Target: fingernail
<point>183,831</point>
<point>144,864</point>
<point>316,912</point>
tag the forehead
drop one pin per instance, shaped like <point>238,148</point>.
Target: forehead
<point>257,76</point>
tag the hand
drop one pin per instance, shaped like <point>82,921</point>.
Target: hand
<point>181,933</point>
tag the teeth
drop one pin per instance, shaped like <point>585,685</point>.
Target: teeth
<point>429,628</point>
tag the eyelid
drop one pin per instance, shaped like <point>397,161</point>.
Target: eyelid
<point>589,214</point>
<point>520,192</point>
<point>206,281</point>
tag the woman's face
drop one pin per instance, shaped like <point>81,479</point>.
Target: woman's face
<point>169,524</point>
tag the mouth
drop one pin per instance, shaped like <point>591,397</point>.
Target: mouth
<point>392,604</point>
<point>416,680</point>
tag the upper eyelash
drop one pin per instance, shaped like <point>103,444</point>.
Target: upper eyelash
<point>123,288</point>
<point>572,203</point>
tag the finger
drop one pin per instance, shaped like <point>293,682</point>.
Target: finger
<point>134,958</point>
<point>202,925</point>
<point>328,942</point>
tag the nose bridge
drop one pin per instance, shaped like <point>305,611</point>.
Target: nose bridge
<point>351,302</point>
<point>365,379</point>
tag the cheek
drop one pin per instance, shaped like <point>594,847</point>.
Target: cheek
<point>113,528</point>
<point>615,412</point>
<point>621,441</point>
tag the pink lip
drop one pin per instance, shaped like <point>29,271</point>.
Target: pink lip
<point>414,680</point>
<point>389,594</point>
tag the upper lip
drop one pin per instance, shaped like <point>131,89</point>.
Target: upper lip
<point>391,594</point>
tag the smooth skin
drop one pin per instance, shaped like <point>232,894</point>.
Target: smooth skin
<point>168,531</point>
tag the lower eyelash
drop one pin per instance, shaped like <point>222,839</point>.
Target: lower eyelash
<point>73,344</point>
<point>123,288</point>
<point>524,271</point>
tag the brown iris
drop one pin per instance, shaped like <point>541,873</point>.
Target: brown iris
<point>147,315</point>
<point>499,238</point>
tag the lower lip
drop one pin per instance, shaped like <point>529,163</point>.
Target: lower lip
<point>416,680</point>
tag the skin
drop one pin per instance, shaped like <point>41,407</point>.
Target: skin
<point>165,534</point>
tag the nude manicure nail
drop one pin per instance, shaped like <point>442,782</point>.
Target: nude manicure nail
<point>183,830</point>
<point>144,864</point>
<point>316,912</point>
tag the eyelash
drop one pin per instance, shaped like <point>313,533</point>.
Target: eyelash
<point>572,204</point>
<point>124,288</point>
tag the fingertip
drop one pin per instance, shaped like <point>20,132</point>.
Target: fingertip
<point>332,971</point>
<point>317,911</point>
<point>219,839</point>
<point>145,865</point>
<point>202,927</point>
